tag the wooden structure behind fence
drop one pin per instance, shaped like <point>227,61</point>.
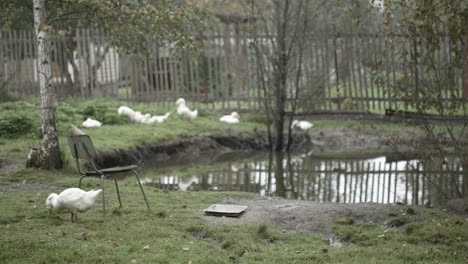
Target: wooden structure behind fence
<point>337,70</point>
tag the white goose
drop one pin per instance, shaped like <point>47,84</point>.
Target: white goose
<point>126,111</point>
<point>184,111</point>
<point>91,123</point>
<point>157,119</point>
<point>302,125</point>
<point>233,118</point>
<point>73,199</point>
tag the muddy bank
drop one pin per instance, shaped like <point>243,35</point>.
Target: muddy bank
<point>295,215</point>
<point>324,140</point>
<point>194,146</point>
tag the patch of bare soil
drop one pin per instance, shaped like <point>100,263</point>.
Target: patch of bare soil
<point>295,215</point>
<point>7,166</point>
<point>345,139</point>
<point>26,187</point>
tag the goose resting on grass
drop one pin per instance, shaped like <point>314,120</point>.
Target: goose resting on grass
<point>233,118</point>
<point>157,119</point>
<point>184,111</point>
<point>91,123</point>
<point>302,125</point>
<point>125,111</point>
<point>138,117</point>
<point>74,200</point>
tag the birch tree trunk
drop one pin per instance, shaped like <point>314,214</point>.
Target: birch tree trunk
<point>48,157</point>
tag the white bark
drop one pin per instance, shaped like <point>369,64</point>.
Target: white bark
<point>49,156</point>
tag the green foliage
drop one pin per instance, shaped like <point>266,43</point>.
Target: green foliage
<point>133,24</point>
<point>13,126</point>
<point>14,14</point>
<point>104,113</point>
<point>422,31</point>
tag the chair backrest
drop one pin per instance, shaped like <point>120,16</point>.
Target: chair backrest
<point>81,147</point>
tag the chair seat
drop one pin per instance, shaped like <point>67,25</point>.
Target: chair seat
<point>113,170</point>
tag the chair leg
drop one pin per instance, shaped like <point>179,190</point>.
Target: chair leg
<point>118,193</point>
<point>103,197</point>
<point>81,178</point>
<point>142,191</point>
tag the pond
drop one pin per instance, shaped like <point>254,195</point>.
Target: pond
<point>307,177</point>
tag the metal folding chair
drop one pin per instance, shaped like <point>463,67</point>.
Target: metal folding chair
<point>82,147</point>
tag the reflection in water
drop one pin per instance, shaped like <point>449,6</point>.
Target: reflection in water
<point>326,180</point>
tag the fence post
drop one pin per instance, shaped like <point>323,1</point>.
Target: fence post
<point>416,72</point>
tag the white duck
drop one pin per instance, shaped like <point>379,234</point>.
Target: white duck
<point>184,111</point>
<point>233,118</point>
<point>302,125</point>
<point>91,123</point>
<point>126,111</point>
<point>73,199</point>
<point>157,119</point>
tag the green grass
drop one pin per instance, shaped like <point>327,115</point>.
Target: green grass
<point>116,132</point>
<point>439,239</point>
<point>175,232</point>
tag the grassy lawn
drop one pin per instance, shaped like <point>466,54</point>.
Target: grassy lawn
<point>175,231</point>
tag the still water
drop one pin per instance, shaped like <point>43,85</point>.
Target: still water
<point>308,177</point>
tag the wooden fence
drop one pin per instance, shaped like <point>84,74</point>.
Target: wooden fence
<point>337,70</point>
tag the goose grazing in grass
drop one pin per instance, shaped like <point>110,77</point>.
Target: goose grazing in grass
<point>302,125</point>
<point>157,119</point>
<point>233,118</point>
<point>73,199</point>
<point>91,123</point>
<point>184,111</point>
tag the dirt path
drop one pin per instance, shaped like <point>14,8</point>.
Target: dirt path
<point>26,187</point>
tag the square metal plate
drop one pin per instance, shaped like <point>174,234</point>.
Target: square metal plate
<point>225,210</point>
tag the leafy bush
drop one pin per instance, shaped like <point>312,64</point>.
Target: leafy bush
<point>11,125</point>
<point>103,113</point>
<point>7,96</point>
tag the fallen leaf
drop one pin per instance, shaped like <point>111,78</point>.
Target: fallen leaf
<point>380,236</point>
<point>115,244</point>
<point>186,248</point>
<point>145,248</point>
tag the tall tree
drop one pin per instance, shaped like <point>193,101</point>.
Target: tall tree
<point>280,43</point>
<point>49,155</point>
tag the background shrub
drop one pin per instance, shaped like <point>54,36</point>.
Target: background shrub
<point>13,125</point>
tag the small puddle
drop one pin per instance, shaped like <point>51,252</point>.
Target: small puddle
<point>307,177</point>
